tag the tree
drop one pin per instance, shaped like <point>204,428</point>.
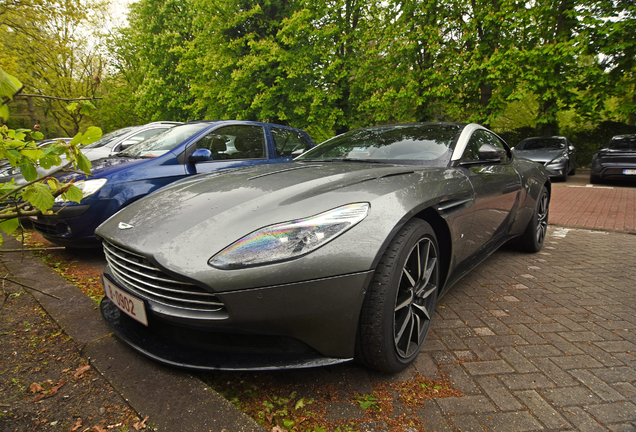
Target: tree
<point>38,195</point>
<point>47,42</point>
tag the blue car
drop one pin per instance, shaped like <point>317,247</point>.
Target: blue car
<point>184,150</point>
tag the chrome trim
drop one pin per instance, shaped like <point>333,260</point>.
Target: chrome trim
<point>150,283</point>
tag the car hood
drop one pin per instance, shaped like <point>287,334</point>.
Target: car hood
<point>183,225</point>
<point>540,155</point>
<point>105,166</point>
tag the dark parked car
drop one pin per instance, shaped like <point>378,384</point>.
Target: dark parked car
<point>109,145</point>
<point>340,254</point>
<point>178,152</point>
<point>616,160</point>
<point>556,153</point>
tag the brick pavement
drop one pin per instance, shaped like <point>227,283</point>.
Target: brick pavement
<point>542,341</point>
<point>600,207</point>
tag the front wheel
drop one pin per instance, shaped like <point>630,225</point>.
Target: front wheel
<point>399,305</point>
<point>534,236</point>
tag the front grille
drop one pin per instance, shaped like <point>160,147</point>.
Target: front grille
<point>139,276</point>
<point>44,228</point>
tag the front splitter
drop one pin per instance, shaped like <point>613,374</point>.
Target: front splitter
<point>170,351</point>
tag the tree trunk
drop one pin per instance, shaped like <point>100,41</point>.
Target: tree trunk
<point>31,111</point>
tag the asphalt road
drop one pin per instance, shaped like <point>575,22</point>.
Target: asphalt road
<point>541,341</point>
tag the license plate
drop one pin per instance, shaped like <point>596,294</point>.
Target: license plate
<point>629,172</point>
<point>128,304</point>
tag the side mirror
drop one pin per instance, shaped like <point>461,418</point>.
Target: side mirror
<point>489,152</point>
<point>571,148</point>
<point>200,155</point>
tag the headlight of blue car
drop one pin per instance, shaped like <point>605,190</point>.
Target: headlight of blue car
<point>88,188</point>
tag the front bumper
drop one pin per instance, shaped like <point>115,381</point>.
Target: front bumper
<point>298,325</point>
<point>557,170</point>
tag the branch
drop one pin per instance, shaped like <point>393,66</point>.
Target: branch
<point>19,188</point>
<point>23,95</point>
<point>30,287</point>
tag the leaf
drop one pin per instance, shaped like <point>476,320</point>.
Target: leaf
<point>35,388</point>
<point>79,372</point>
<point>288,423</point>
<point>9,225</point>
<point>83,163</point>
<point>29,172</point>
<point>91,135</point>
<point>300,404</point>
<point>39,195</point>
<point>37,135</point>
<point>73,194</point>
<point>71,107</point>
<point>32,154</point>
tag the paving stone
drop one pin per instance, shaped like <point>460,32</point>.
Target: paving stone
<point>576,361</point>
<point>582,420</point>
<point>613,412</point>
<point>601,389</point>
<point>570,396</point>
<point>466,405</point>
<point>616,346</point>
<point>427,367</point>
<point>562,344</point>
<point>510,422</point>
<point>608,359</point>
<point>622,427</point>
<point>626,389</point>
<point>431,417</point>
<point>580,336</point>
<point>461,381</point>
<point>528,335</point>
<point>466,423</point>
<point>502,341</point>
<point>539,351</point>
<point>482,350</point>
<point>518,361</point>
<point>488,367</point>
<point>542,409</point>
<point>554,372</point>
<point>527,381</point>
<point>498,327</point>
<point>450,339</point>
<point>499,394</point>
<point>567,322</point>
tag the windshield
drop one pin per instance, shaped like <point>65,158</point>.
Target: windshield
<point>109,137</point>
<point>429,144</point>
<point>623,143</point>
<point>541,143</point>
<point>165,141</point>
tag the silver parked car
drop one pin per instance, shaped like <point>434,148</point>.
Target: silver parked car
<point>556,153</point>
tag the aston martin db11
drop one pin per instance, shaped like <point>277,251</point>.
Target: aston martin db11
<point>340,254</point>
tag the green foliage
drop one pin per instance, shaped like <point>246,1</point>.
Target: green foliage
<point>37,196</point>
<point>328,66</point>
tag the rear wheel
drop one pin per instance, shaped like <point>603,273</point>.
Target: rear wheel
<point>399,305</point>
<point>534,236</point>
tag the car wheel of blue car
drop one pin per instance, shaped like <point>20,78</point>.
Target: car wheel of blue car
<point>399,305</point>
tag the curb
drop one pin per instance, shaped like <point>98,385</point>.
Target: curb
<point>174,399</point>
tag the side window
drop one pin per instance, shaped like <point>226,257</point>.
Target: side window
<point>137,138</point>
<point>235,142</point>
<point>479,138</point>
<point>289,143</point>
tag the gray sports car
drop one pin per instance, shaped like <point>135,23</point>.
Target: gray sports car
<point>338,255</point>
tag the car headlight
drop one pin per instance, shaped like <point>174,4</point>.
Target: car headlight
<point>288,240</point>
<point>558,160</point>
<point>88,188</point>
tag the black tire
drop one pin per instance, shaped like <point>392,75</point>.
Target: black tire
<point>399,305</point>
<point>534,236</point>
<point>573,172</point>
<point>595,179</point>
